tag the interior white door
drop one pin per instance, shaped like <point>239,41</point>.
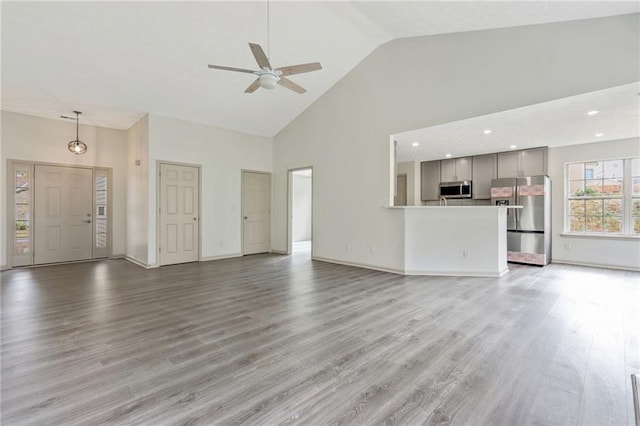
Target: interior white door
<point>63,204</point>
<point>256,210</point>
<point>179,211</point>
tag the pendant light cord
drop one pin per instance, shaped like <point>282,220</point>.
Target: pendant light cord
<point>77,126</point>
<point>268,41</point>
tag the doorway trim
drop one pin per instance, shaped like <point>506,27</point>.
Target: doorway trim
<point>290,207</point>
<point>158,263</point>
<point>242,172</point>
<point>12,166</point>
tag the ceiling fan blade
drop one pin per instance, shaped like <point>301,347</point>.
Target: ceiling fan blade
<point>299,69</point>
<point>261,58</point>
<point>219,67</point>
<point>291,85</point>
<point>253,87</point>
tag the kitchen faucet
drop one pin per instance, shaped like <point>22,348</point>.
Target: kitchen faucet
<point>443,199</point>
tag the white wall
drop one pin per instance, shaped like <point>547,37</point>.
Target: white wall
<point>419,82</point>
<point>598,251</point>
<point>138,191</point>
<point>412,170</point>
<point>222,154</point>
<point>462,241</point>
<point>301,207</point>
<point>30,138</point>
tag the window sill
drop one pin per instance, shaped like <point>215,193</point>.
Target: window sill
<point>601,236</point>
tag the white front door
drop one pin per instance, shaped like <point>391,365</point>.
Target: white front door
<point>63,214</point>
<point>179,211</point>
<point>256,210</point>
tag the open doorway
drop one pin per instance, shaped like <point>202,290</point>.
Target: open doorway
<point>300,211</point>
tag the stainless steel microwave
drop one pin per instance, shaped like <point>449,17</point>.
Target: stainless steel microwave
<point>456,189</point>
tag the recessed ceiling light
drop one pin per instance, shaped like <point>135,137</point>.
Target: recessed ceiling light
<point>486,132</point>
<point>594,112</point>
<point>448,155</point>
<point>513,146</point>
<point>597,135</point>
<point>415,144</point>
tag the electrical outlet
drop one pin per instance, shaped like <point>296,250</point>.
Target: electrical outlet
<point>465,254</point>
<point>347,247</point>
<point>567,246</point>
<point>372,249</point>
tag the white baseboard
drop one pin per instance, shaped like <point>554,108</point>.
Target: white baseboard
<point>3,267</point>
<point>136,261</point>
<point>358,265</point>
<point>220,257</point>
<point>458,273</point>
<point>415,272</point>
<point>595,265</point>
<point>274,251</point>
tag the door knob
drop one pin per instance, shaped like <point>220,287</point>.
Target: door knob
<point>246,217</point>
<point>194,218</point>
<point>88,221</point>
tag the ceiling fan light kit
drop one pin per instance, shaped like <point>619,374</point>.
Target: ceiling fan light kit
<point>76,146</point>
<point>269,80</point>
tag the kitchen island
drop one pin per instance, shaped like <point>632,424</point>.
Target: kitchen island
<point>455,240</point>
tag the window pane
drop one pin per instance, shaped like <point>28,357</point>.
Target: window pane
<point>635,209</point>
<point>593,170</point>
<point>613,207</point>
<point>594,224</point>
<point>613,169</point>
<point>576,223</point>
<point>594,187</point>
<point>575,171</point>
<point>613,186</point>
<point>594,207</point>
<point>636,186</point>
<point>635,167</point>
<point>576,207</point>
<point>576,188</point>
<point>636,225</point>
<point>22,212</point>
<point>613,225</point>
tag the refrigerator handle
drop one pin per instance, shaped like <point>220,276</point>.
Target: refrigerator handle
<point>517,211</point>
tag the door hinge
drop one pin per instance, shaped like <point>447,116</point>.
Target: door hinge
<point>159,209</point>
<point>159,249</point>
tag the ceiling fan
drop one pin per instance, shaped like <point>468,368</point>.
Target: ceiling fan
<point>268,76</point>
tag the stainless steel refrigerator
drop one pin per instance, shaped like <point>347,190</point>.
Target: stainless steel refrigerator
<point>528,228</point>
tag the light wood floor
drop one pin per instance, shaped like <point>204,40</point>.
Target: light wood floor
<point>272,339</point>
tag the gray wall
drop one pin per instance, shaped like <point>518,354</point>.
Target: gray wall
<point>419,82</point>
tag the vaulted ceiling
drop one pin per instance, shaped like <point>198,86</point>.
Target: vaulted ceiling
<point>116,61</point>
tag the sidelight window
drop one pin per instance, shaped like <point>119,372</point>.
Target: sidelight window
<point>22,210</point>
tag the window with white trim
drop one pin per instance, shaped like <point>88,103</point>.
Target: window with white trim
<point>603,197</point>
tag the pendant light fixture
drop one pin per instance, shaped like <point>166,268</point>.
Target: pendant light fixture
<point>76,146</point>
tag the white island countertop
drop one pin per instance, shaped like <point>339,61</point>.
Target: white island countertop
<point>453,207</point>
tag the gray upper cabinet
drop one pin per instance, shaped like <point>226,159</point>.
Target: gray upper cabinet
<point>534,162</point>
<point>485,168</point>
<point>430,180</point>
<point>455,169</point>
<point>528,162</point>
